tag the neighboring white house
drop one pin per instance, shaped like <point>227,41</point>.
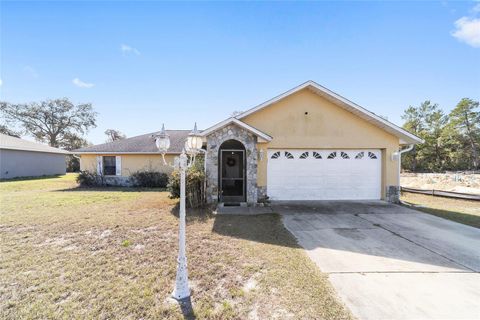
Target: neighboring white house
<point>22,158</point>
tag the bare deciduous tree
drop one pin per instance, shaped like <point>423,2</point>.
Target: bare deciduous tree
<point>114,135</point>
<point>9,132</point>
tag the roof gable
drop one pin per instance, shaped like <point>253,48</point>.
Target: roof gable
<point>239,123</point>
<point>404,136</point>
<point>13,143</point>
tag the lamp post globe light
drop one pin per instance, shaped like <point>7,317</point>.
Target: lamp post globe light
<point>193,145</point>
<point>194,141</point>
<point>162,140</point>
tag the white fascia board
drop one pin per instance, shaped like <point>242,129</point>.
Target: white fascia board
<point>238,123</point>
<point>400,131</point>
<point>252,129</point>
<point>124,152</point>
<point>36,150</point>
<point>215,127</point>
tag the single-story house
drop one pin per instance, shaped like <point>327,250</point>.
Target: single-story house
<point>308,143</point>
<point>22,158</point>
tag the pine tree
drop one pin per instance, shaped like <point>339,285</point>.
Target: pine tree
<point>465,120</point>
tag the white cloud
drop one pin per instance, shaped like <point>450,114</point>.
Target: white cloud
<point>468,31</point>
<point>476,8</point>
<point>1,82</point>
<point>79,83</point>
<point>126,49</point>
<point>30,71</point>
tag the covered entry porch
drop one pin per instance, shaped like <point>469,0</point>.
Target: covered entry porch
<point>231,165</point>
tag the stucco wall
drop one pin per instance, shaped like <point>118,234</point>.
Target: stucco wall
<point>17,163</point>
<point>130,162</point>
<point>326,126</point>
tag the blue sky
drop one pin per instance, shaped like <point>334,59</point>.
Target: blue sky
<point>144,63</point>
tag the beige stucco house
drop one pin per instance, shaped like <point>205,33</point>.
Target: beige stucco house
<point>308,143</point>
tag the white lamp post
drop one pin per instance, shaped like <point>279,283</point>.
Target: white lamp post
<point>193,145</point>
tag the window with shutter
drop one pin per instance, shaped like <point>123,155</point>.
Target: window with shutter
<point>118,165</point>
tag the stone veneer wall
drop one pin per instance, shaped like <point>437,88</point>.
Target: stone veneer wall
<point>393,194</point>
<point>214,141</point>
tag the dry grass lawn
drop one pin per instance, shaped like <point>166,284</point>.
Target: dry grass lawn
<point>462,211</point>
<point>72,253</point>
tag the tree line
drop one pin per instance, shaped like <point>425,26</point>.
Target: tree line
<point>58,123</point>
<point>452,141</point>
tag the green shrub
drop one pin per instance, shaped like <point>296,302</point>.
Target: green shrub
<point>195,184</point>
<point>89,179</point>
<point>149,179</point>
<point>73,163</point>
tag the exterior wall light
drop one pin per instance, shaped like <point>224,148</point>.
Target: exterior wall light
<point>261,154</point>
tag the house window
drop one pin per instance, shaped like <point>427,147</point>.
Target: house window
<point>344,155</point>
<point>304,155</point>
<point>288,155</point>
<point>109,166</point>
<point>372,155</point>
<point>317,155</point>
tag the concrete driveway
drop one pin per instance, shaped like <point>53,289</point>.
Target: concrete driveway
<point>388,261</point>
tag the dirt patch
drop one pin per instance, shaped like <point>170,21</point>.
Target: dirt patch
<point>251,284</point>
<point>456,182</point>
<point>105,234</point>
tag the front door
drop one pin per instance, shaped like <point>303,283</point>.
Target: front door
<point>232,176</point>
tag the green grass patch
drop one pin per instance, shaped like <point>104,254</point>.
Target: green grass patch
<point>64,256</point>
<point>126,243</point>
<point>462,211</point>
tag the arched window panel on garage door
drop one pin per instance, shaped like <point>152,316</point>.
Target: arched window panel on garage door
<point>344,155</point>
<point>275,155</point>
<point>332,155</point>
<point>288,155</point>
<point>360,155</point>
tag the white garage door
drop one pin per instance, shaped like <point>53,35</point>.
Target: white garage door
<point>324,174</point>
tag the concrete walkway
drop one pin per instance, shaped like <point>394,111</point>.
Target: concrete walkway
<point>388,261</point>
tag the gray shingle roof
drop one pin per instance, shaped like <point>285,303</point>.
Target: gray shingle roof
<point>12,143</point>
<point>139,144</point>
